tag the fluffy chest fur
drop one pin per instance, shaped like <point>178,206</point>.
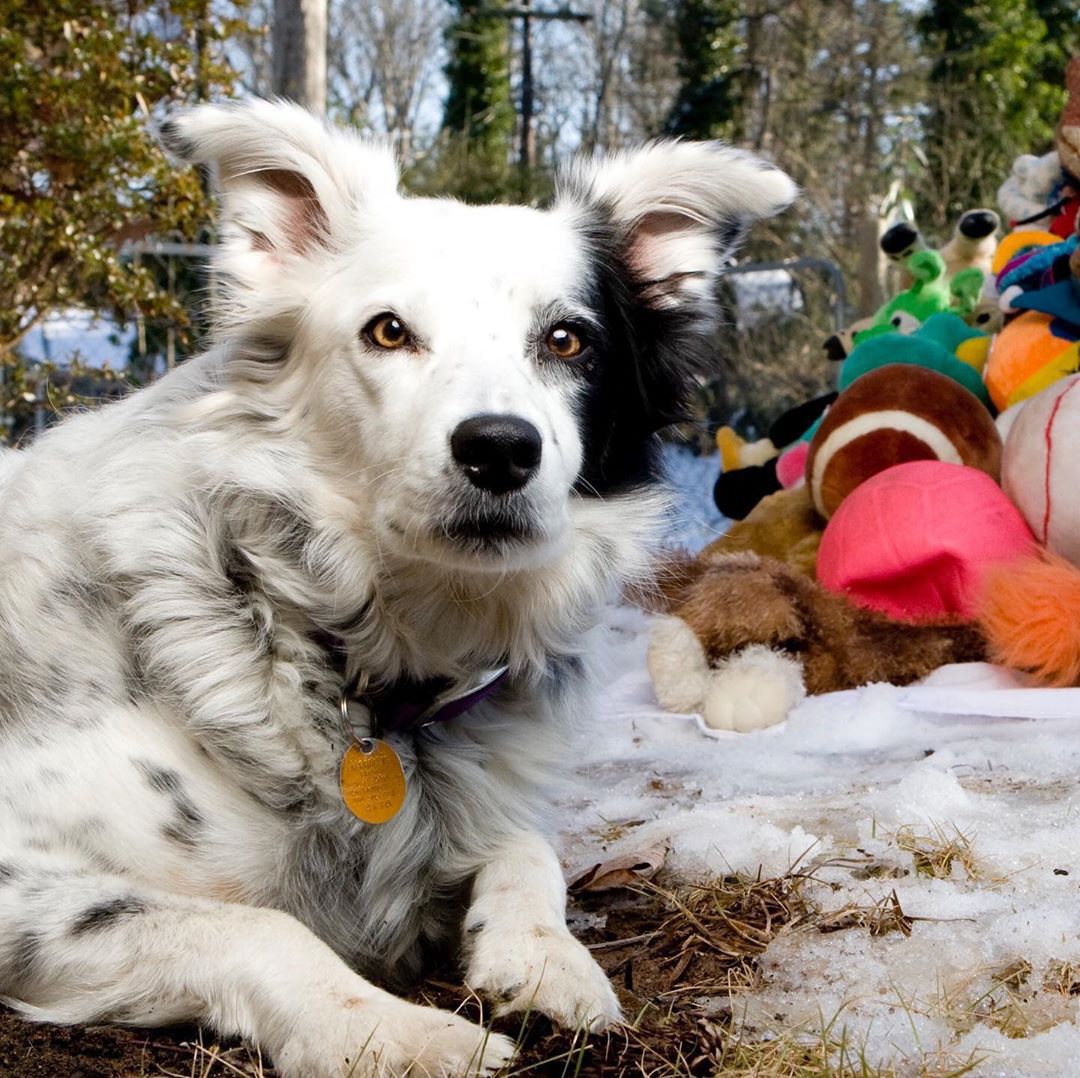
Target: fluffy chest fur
<point>181,642</point>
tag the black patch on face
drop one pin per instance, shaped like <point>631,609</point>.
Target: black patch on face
<point>642,370</point>
<point>185,828</point>
<point>104,914</point>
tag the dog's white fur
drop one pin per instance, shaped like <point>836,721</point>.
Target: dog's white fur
<point>180,569</point>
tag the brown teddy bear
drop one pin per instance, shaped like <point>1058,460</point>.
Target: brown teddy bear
<point>742,639</point>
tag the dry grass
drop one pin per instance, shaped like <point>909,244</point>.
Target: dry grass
<point>881,918</point>
<point>683,1047</point>
<point>1007,998</point>
<point>714,934</point>
<point>197,1059</point>
<point>939,853</point>
<point>1063,978</point>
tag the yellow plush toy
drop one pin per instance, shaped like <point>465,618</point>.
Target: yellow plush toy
<point>783,526</point>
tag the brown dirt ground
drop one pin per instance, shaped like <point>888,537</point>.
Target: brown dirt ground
<point>672,1036</point>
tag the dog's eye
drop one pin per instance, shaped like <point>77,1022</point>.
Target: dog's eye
<point>387,331</point>
<point>564,342</point>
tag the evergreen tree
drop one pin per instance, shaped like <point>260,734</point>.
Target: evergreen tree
<point>707,36</point>
<point>479,117</point>
<point>989,99</point>
<point>1062,19</point>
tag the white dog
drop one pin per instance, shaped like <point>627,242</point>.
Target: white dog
<point>413,465</point>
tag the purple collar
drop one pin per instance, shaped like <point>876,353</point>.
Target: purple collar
<point>408,705</point>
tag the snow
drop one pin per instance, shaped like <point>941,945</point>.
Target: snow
<point>694,518</point>
<point>95,339</point>
<point>832,789</point>
<point>760,293</point>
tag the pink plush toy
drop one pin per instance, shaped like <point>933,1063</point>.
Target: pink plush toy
<point>791,467</point>
<point>914,540</point>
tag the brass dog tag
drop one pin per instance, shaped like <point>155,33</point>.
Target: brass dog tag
<point>372,781</point>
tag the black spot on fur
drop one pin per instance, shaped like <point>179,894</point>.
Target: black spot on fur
<point>181,834</point>
<point>162,780</point>
<point>104,914</point>
<point>564,673</point>
<point>185,828</point>
<point>8,873</point>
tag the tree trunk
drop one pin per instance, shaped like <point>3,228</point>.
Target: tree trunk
<point>872,262</point>
<point>299,52</point>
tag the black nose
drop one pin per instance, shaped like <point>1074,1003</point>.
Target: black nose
<point>835,351</point>
<point>978,224</point>
<point>896,240</point>
<point>498,453</point>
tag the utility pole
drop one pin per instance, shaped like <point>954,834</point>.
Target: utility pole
<point>527,147</point>
<point>299,52</point>
<point>527,108</point>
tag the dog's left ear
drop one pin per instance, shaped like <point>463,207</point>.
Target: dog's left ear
<point>677,209</point>
<point>289,186</point>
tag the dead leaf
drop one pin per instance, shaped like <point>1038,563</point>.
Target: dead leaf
<point>627,870</point>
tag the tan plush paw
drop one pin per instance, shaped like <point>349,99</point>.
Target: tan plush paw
<point>752,689</point>
<point>677,665</point>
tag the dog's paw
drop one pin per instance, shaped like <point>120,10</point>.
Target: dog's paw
<point>752,689</point>
<point>543,969</point>
<point>389,1038</point>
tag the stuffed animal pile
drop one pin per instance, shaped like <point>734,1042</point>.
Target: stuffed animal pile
<point>925,513</point>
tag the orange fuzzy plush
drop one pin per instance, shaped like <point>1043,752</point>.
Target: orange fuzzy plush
<point>1022,349</point>
<point>1029,612</point>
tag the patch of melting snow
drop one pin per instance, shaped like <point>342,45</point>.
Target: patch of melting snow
<point>986,971</point>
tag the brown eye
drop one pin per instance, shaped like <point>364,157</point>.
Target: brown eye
<point>387,331</point>
<point>563,342</point>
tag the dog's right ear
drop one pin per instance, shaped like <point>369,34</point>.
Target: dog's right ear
<point>289,186</point>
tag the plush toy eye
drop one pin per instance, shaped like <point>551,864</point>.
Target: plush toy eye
<point>387,331</point>
<point>905,322</point>
<point>564,342</point>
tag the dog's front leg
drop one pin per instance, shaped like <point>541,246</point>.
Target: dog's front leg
<point>78,948</point>
<point>521,954</point>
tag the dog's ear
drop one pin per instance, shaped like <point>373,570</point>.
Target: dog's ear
<point>289,186</point>
<point>678,208</point>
